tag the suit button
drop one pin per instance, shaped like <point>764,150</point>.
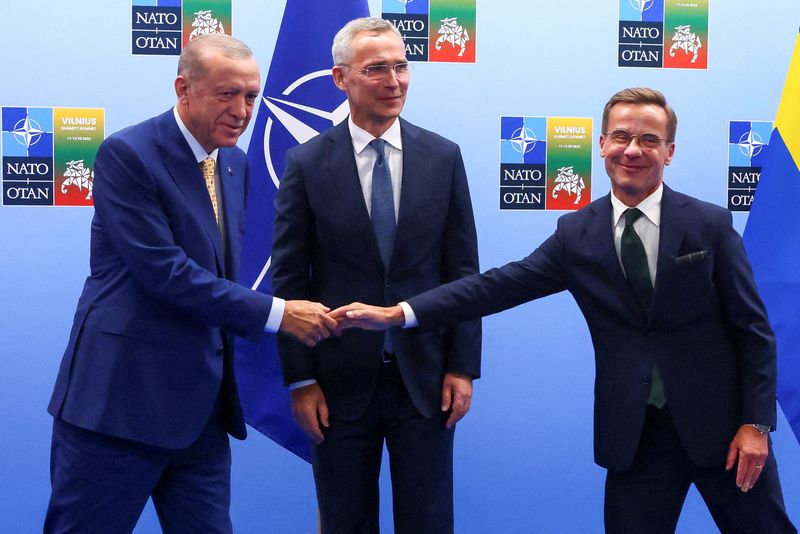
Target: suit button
<point>645,380</point>
<point>386,284</point>
<point>651,334</point>
<point>220,351</point>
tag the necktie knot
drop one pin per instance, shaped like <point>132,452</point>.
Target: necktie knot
<point>379,145</point>
<point>631,216</point>
<point>208,165</point>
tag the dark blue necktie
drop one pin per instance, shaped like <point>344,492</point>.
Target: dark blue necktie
<point>383,220</point>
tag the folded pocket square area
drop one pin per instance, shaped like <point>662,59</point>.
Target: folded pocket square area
<point>694,257</point>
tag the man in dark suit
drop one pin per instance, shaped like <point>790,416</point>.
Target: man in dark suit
<point>145,395</point>
<point>684,354</point>
<point>377,209</point>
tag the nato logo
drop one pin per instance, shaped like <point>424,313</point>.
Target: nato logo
<point>27,135</point>
<point>523,163</point>
<point>300,112</point>
<point>27,132</point>
<point>748,143</point>
<point>641,33</point>
<point>156,27</point>
<point>410,17</point>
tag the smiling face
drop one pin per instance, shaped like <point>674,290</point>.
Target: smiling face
<point>374,103</point>
<point>636,172</point>
<point>217,106</point>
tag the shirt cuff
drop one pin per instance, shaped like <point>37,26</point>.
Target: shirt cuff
<point>303,383</point>
<point>275,315</point>
<point>411,318</point>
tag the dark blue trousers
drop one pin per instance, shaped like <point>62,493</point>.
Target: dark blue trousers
<point>649,496</point>
<point>347,466</point>
<point>101,483</point>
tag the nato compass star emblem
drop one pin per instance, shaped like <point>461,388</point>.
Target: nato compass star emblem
<point>523,140</point>
<point>641,5</point>
<point>751,144</point>
<point>27,132</point>
<point>285,110</point>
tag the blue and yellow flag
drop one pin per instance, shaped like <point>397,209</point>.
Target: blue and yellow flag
<point>299,101</point>
<point>772,239</point>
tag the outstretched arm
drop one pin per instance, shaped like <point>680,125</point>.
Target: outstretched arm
<point>367,317</point>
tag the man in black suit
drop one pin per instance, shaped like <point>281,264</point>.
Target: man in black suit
<point>377,209</point>
<point>685,356</point>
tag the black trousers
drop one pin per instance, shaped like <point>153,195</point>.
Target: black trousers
<point>347,466</point>
<point>649,496</point>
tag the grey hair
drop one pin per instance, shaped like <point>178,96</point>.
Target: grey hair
<point>342,50</point>
<point>191,65</point>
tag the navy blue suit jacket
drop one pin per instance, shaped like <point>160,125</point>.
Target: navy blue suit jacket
<point>324,249</point>
<point>149,349</point>
<point>707,329</point>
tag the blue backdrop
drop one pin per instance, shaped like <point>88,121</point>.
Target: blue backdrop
<point>523,456</point>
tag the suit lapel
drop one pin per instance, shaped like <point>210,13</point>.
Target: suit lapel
<point>186,174</point>
<point>672,231</point>
<point>414,184</point>
<point>600,235</point>
<point>231,207</point>
<point>341,167</point>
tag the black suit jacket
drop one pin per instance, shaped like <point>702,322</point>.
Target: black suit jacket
<point>325,250</point>
<point>707,329</point>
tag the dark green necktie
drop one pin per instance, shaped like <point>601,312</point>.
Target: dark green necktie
<point>634,260</point>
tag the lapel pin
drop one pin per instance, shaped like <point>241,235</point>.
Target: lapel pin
<point>229,170</point>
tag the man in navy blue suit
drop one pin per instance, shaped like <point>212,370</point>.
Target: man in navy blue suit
<point>377,209</point>
<point>145,397</point>
<point>684,354</point>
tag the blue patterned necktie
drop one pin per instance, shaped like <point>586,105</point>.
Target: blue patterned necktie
<point>383,219</point>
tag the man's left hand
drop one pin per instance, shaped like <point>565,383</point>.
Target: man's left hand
<point>456,396</point>
<point>751,447</point>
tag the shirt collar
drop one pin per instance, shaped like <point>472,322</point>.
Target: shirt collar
<point>197,149</point>
<point>361,138</point>
<point>651,206</point>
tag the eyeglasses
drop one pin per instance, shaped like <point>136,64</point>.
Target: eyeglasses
<point>378,72</point>
<point>648,141</point>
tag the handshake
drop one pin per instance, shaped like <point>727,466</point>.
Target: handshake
<point>311,322</point>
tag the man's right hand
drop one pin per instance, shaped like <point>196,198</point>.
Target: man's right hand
<point>367,317</point>
<point>310,410</point>
<point>307,321</point>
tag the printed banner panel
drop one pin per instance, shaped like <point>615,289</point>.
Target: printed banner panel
<point>48,155</point>
<point>545,163</point>
<point>435,30</point>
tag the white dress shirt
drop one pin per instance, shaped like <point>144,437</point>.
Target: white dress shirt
<point>646,227</point>
<point>365,160</point>
<point>200,154</point>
